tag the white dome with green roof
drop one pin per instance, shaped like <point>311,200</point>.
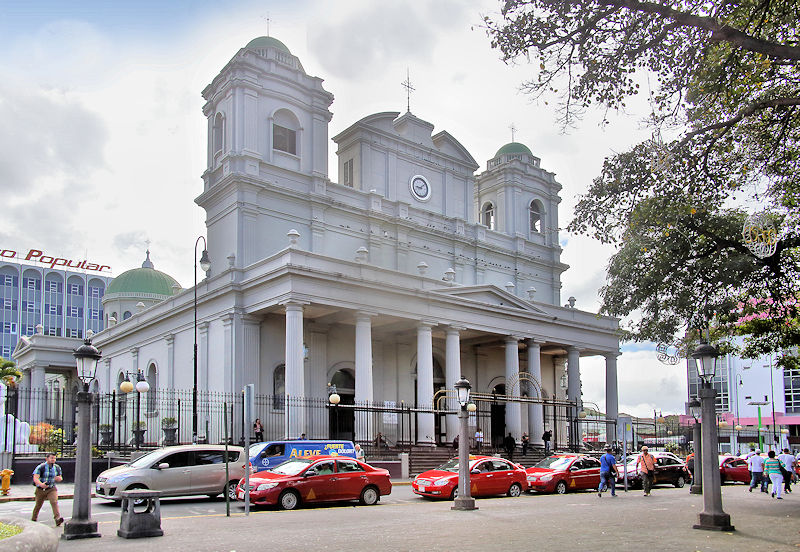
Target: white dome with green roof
<point>146,280</point>
<point>267,42</point>
<point>513,147</point>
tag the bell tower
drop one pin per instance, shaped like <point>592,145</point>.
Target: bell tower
<point>267,128</point>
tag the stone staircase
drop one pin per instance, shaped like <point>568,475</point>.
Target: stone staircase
<point>427,458</point>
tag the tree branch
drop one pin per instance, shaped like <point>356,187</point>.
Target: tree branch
<point>747,111</point>
<point>719,32</point>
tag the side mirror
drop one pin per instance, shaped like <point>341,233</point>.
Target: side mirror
<point>263,453</point>
<point>162,466</point>
<point>476,471</point>
<point>574,468</point>
<point>310,472</point>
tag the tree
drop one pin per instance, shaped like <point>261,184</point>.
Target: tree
<point>9,373</point>
<point>725,80</point>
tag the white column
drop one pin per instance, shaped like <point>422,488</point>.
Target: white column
<point>452,375</point>
<point>574,392</point>
<point>363,373</point>
<point>294,416</point>
<point>37,394</point>
<point>513,414</point>
<point>425,421</point>
<point>612,397</point>
<point>535,410</point>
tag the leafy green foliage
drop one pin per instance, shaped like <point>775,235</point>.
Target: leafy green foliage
<point>9,374</point>
<point>724,77</point>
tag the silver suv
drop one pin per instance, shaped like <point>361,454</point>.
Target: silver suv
<point>177,471</point>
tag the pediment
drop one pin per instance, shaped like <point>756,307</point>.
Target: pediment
<point>491,295</point>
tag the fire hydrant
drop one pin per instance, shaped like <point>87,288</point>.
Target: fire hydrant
<point>5,476</point>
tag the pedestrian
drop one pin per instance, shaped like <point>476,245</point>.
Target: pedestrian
<point>788,462</point>
<point>756,466</point>
<point>258,429</point>
<point>772,468</point>
<point>379,441</point>
<point>303,437</point>
<point>45,477</point>
<point>509,444</point>
<point>648,469</point>
<point>608,472</point>
<point>455,443</point>
<point>526,441</point>
<point>546,438</point>
<point>479,439</point>
<point>359,453</point>
<point>747,458</point>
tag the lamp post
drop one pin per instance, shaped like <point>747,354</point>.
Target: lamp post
<point>205,264</point>
<point>81,525</point>
<point>141,387</point>
<point>463,501</point>
<point>334,399</point>
<point>697,476</point>
<point>712,517</point>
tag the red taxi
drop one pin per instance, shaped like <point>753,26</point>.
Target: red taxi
<point>317,479</point>
<point>489,475</point>
<point>733,469</point>
<point>562,472</point>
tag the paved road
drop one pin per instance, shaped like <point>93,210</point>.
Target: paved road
<point>106,511</point>
<point>575,521</point>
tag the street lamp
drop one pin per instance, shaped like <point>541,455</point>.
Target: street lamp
<point>141,387</point>
<point>697,475</point>
<point>463,501</point>
<point>81,526</point>
<point>205,264</point>
<point>712,517</point>
<point>335,399</point>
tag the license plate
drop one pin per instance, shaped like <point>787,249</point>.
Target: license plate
<point>421,489</point>
<point>240,495</point>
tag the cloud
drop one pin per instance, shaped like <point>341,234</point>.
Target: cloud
<point>47,140</point>
<point>364,40</point>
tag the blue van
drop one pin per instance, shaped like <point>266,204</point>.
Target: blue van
<point>267,455</point>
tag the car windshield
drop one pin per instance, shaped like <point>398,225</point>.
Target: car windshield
<point>451,465</point>
<point>554,462</point>
<point>146,460</point>
<point>255,449</point>
<point>291,467</point>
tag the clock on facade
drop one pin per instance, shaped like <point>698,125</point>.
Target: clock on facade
<point>420,188</point>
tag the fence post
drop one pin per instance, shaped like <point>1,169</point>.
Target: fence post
<point>179,422</point>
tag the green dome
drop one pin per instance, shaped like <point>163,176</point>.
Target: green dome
<point>513,147</point>
<point>267,42</point>
<point>143,280</point>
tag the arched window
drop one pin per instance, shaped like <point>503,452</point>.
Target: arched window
<point>126,315</point>
<point>285,128</point>
<point>152,394</point>
<point>218,133</point>
<point>279,387</point>
<point>487,215</point>
<point>535,212</point>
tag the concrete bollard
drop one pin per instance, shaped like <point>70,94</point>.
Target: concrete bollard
<point>135,524</point>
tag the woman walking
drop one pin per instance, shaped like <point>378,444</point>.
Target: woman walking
<point>772,468</point>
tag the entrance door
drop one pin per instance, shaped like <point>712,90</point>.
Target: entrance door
<point>498,413</point>
<point>342,420</point>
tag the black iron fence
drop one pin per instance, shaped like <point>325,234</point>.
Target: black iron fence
<point>161,417</point>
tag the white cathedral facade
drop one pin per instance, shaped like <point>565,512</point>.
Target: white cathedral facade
<point>409,272</point>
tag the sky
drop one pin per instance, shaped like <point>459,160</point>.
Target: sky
<point>103,140</point>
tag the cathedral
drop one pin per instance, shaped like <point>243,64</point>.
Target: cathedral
<point>415,266</point>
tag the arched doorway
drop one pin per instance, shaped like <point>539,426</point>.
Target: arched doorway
<point>342,420</point>
<point>498,416</point>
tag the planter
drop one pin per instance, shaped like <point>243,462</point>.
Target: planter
<point>170,435</point>
<point>138,436</point>
<point>105,437</point>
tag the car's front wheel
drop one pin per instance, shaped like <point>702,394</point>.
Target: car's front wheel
<point>230,488</point>
<point>515,490</point>
<point>561,487</point>
<point>454,494</point>
<point>289,500</point>
<point>369,496</point>
<point>680,482</point>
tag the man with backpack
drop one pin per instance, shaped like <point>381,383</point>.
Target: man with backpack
<point>45,477</point>
<point>608,473</point>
